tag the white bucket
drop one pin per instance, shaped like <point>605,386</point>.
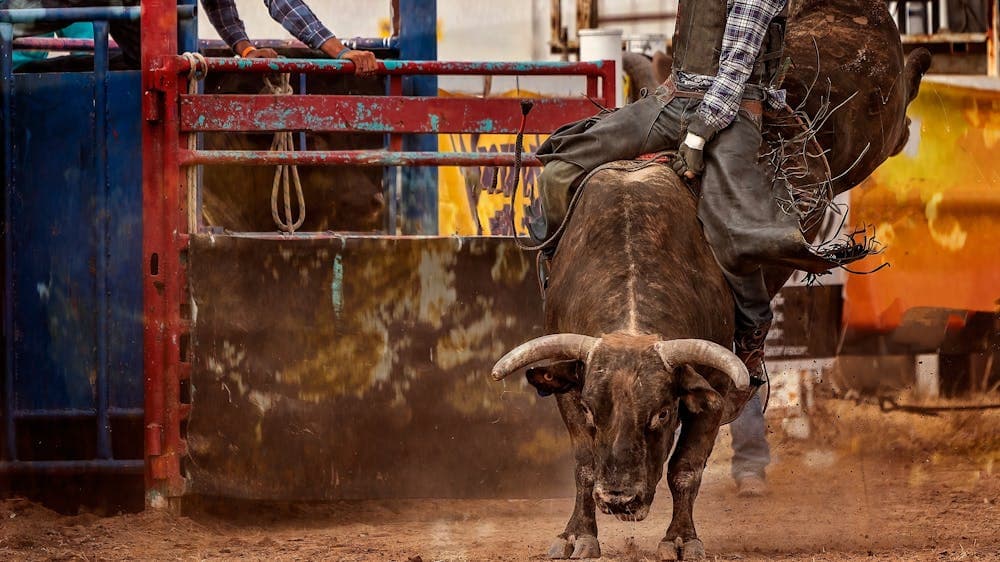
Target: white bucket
<point>604,44</point>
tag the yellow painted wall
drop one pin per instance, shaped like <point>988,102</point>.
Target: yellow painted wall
<point>465,207</point>
<point>937,208</point>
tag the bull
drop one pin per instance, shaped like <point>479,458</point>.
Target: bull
<point>639,315</point>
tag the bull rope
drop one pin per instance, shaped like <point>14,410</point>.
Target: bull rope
<point>285,175</point>
<point>198,72</point>
<point>526,106</point>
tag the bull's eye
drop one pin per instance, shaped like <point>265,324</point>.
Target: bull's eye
<point>660,419</point>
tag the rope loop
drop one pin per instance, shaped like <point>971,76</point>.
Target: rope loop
<point>281,87</point>
<point>198,64</point>
<point>285,176</point>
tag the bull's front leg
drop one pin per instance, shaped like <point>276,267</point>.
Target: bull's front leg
<point>697,437</point>
<point>579,540</point>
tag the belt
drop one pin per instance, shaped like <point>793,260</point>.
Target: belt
<point>669,90</point>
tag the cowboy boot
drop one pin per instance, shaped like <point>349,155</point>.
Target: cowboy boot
<point>750,349</point>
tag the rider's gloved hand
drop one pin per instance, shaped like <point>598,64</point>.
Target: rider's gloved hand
<point>690,160</point>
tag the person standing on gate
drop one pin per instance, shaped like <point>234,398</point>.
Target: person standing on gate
<point>294,15</point>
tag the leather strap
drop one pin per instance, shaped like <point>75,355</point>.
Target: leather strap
<point>752,106</point>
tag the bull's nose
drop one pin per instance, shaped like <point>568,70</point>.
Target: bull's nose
<point>615,499</point>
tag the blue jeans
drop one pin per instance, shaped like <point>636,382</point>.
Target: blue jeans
<point>751,453</point>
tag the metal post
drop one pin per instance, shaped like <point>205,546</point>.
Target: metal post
<point>164,224</point>
<point>303,90</point>
<point>7,95</point>
<point>392,176</point>
<point>944,25</point>
<point>187,31</point>
<point>103,234</point>
<point>418,41</point>
<point>994,41</point>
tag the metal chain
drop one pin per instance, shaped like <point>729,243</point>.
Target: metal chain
<point>285,175</point>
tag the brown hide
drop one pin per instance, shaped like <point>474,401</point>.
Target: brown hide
<point>633,268</point>
<point>238,198</point>
<point>852,48</point>
<point>634,259</point>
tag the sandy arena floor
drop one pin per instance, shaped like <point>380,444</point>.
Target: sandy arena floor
<point>866,486</point>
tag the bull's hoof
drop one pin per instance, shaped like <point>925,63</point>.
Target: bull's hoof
<point>586,546</point>
<point>576,548</point>
<point>561,549</point>
<point>678,549</point>
<point>693,549</point>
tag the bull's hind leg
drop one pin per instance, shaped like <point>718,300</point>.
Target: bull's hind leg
<point>579,540</point>
<point>698,433</point>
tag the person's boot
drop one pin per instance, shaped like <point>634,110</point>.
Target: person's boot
<point>554,187</point>
<point>751,486</point>
<point>750,350</point>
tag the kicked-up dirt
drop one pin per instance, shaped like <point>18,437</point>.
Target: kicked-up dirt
<point>865,486</point>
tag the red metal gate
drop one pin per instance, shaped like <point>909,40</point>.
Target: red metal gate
<point>171,115</point>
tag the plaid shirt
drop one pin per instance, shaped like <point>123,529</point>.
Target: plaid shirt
<point>293,15</point>
<point>746,28</point>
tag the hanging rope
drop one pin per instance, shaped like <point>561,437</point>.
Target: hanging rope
<point>285,175</point>
<point>198,72</point>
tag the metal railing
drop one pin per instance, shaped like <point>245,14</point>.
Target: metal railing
<point>393,115</point>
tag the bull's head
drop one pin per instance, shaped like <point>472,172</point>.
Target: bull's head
<point>626,394</point>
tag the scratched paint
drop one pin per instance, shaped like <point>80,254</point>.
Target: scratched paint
<point>337,287</point>
<point>486,125</point>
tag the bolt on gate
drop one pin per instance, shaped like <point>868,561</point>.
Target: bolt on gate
<point>173,114</point>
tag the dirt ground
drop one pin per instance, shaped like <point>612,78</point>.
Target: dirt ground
<point>865,486</point>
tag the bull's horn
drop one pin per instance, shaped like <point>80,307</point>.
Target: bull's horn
<point>555,346</point>
<point>702,352</point>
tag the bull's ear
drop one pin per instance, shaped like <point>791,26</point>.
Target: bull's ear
<point>556,378</point>
<point>696,394</point>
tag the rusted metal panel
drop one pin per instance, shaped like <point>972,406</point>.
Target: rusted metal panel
<point>378,114</point>
<point>357,367</point>
<point>349,158</point>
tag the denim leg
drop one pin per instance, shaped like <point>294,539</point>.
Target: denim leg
<point>647,125</point>
<point>738,212</point>
<point>751,453</point>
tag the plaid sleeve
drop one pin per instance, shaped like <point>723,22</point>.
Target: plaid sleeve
<point>226,20</point>
<point>746,28</point>
<point>300,21</point>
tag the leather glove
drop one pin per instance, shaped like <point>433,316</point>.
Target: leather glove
<point>690,160</point>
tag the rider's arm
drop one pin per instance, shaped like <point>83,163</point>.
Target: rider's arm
<point>226,20</point>
<point>296,17</point>
<point>746,28</point>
